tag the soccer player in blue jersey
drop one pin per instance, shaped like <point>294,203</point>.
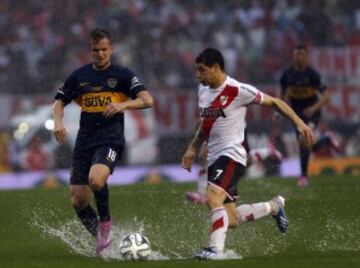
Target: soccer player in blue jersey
<point>302,86</point>
<point>104,91</point>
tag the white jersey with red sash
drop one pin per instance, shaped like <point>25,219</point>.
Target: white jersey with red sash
<point>223,111</point>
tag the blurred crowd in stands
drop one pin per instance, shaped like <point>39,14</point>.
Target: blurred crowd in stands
<point>42,41</point>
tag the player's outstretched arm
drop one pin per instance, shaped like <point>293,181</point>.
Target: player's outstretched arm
<point>58,114</point>
<point>190,154</point>
<point>279,105</point>
<point>143,100</point>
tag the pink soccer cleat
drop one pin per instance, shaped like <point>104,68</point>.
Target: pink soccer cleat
<point>303,181</point>
<point>196,197</point>
<point>103,236</point>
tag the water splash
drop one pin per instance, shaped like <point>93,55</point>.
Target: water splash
<point>228,254</point>
<point>174,236</point>
<point>74,235</point>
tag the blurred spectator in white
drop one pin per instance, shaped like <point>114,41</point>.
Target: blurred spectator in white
<point>333,145</point>
<point>353,145</point>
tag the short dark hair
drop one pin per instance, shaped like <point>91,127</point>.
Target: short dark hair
<point>211,56</point>
<point>301,47</point>
<point>98,33</point>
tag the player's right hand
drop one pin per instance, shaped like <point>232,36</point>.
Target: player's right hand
<point>188,159</point>
<point>60,133</point>
<point>306,136</point>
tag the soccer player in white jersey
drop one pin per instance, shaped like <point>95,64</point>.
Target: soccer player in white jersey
<point>223,102</point>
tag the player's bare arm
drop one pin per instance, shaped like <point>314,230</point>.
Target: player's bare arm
<point>286,111</point>
<point>324,99</point>
<point>143,100</point>
<point>190,154</point>
<point>58,114</point>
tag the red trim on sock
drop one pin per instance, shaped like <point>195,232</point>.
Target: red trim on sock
<point>250,217</point>
<point>202,171</point>
<point>217,224</point>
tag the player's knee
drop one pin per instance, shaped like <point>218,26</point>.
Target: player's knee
<point>233,219</point>
<point>214,198</point>
<point>79,202</point>
<point>96,184</point>
<point>97,177</point>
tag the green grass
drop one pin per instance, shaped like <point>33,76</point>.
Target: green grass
<point>324,226</point>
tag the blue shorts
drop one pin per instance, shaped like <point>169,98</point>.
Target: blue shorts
<point>84,159</point>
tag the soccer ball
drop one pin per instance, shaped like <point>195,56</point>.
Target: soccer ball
<point>135,246</point>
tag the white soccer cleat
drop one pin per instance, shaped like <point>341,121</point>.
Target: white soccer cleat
<point>280,217</point>
<point>209,253</point>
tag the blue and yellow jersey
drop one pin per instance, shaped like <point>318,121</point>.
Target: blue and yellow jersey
<point>93,90</point>
<point>302,87</point>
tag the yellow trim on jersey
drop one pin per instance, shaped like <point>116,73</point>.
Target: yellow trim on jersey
<point>96,102</point>
<point>300,92</point>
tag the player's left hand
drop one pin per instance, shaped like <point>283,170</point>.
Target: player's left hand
<point>188,159</point>
<point>306,136</point>
<point>310,111</point>
<point>114,108</point>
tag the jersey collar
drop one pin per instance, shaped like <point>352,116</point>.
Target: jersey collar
<point>222,86</point>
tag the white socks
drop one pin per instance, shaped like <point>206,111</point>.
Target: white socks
<point>254,212</point>
<point>202,182</point>
<point>247,213</point>
<point>219,227</point>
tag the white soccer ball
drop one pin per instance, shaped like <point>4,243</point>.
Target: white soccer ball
<point>135,246</point>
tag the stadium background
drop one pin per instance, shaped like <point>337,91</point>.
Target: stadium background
<point>41,42</point>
